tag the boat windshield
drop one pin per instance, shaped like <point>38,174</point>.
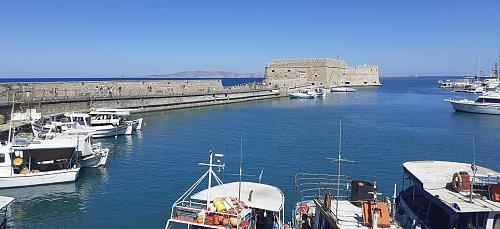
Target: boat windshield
<point>488,100</point>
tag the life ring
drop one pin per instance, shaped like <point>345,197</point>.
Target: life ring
<point>457,182</point>
<point>327,201</point>
<point>92,109</point>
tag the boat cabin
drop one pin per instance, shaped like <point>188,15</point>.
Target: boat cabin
<point>28,155</point>
<point>440,194</point>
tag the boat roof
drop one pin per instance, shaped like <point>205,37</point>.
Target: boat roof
<point>491,95</point>
<point>5,200</point>
<point>265,197</point>
<point>61,141</point>
<point>83,115</point>
<point>436,175</point>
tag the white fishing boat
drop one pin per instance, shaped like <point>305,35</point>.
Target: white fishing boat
<point>342,89</point>
<point>27,163</point>
<point>115,117</point>
<point>226,206</point>
<point>90,154</point>
<point>302,94</point>
<point>320,92</point>
<point>4,202</point>
<point>83,121</point>
<point>446,195</point>
<point>488,103</point>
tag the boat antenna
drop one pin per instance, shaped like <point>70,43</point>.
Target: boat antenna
<point>474,169</point>
<point>241,162</point>
<point>260,176</point>
<point>9,139</point>
<point>339,160</point>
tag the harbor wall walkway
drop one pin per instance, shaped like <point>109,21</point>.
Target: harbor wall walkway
<point>52,98</point>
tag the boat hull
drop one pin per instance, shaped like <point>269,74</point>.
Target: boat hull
<point>106,131</point>
<point>95,160</point>
<point>471,107</point>
<point>41,178</point>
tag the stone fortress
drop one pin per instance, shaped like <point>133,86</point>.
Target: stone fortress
<point>161,94</point>
<point>293,73</point>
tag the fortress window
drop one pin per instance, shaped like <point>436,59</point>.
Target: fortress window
<point>343,73</point>
<point>316,75</point>
<point>288,70</point>
<point>366,82</point>
<point>347,82</point>
<point>374,81</point>
<point>272,70</point>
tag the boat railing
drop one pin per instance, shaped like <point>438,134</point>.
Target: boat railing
<point>191,211</point>
<point>311,186</point>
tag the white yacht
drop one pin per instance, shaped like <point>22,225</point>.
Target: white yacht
<point>24,162</point>
<point>446,195</point>
<point>488,103</point>
<point>4,202</point>
<point>342,89</point>
<point>225,206</point>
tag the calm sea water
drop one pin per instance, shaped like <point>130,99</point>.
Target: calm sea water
<point>382,127</point>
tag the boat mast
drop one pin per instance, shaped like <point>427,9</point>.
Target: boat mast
<point>209,176</point>
<point>474,169</point>
<point>9,139</point>
<point>241,161</point>
<point>339,160</point>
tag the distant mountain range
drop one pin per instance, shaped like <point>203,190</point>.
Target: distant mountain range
<point>208,74</point>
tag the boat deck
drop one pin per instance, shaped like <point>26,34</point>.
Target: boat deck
<point>350,215</point>
<point>435,176</point>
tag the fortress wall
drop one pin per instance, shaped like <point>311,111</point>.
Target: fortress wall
<point>106,89</point>
<point>361,75</point>
<point>319,72</point>
<point>58,97</point>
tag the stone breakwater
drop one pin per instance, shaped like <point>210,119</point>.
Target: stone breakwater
<point>51,98</point>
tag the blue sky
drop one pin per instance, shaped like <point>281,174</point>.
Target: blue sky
<point>135,38</point>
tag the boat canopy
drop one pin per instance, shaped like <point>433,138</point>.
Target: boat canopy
<point>265,197</point>
<point>4,201</point>
<point>81,115</point>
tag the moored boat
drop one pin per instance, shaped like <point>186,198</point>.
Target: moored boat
<point>231,205</point>
<point>338,201</point>
<point>342,89</point>
<point>443,194</point>
<point>27,163</point>
<point>83,121</point>
<point>302,94</point>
